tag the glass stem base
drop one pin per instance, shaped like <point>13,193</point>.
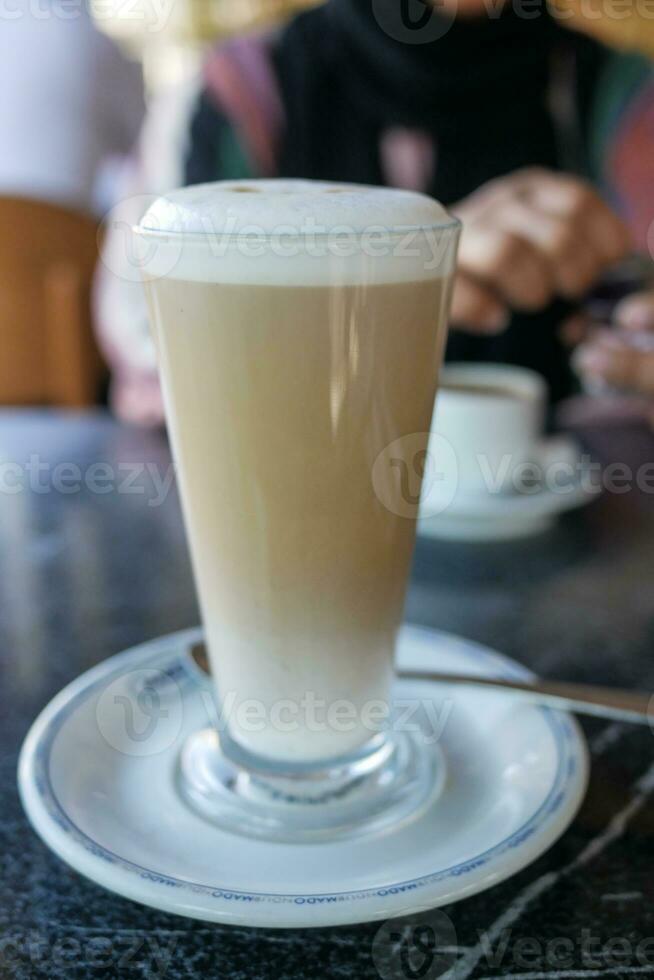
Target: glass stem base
<point>392,779</point>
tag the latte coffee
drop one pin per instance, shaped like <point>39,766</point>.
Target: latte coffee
<point>285,376</point>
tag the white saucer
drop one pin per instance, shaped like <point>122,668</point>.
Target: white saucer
<point>107,803</point>
<point>484,516</point>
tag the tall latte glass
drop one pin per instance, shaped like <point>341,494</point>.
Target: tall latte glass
<point>300,328</point>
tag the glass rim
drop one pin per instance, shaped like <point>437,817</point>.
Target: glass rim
<point>259,236</point>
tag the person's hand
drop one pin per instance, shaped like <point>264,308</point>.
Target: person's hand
<point>527,238</point>
<point>623,357</point>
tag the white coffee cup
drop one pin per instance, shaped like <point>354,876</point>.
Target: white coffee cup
<point>492,416</point>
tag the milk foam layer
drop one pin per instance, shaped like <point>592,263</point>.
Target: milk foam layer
<point>295,232</point>
<point>233,206</point>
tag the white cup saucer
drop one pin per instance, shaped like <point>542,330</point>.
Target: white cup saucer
<point>493,515</point>
<point>104,797</point>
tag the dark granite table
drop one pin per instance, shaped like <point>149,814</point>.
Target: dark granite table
<point>85,574</point>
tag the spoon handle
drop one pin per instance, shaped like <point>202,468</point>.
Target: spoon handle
<point>585,699</point>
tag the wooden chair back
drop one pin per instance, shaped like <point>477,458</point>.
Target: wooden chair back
<point>48,354</point>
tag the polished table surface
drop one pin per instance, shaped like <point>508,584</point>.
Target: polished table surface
<point>85,574</point>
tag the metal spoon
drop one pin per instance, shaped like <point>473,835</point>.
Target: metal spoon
<point>584,699</point>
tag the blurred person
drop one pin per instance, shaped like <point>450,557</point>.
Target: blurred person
<point>622,358</point>
<point>70,103</point>
<point>501,113</point>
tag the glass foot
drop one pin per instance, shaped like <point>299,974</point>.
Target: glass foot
<point>392,779</point>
